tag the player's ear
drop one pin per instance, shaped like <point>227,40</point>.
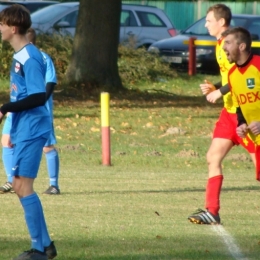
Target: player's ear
<point>242,46</point>
<point>222,22</point>
<point>14,29</point>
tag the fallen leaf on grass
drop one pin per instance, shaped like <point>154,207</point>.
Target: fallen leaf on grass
<point>94,129</point>
<point>157,213</point>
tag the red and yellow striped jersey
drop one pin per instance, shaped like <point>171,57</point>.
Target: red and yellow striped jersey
<point>245,87</point>
<point>224,67</point>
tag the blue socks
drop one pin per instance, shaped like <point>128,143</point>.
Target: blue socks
<point>7,157</point>
<point>53,163</point>
<point>35,221</point>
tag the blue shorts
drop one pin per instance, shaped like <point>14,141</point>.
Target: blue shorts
<point>52,139</point>
<point>27,157</point>
<point>8,124</point>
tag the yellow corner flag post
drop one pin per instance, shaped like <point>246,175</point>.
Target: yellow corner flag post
<point>105,132</point>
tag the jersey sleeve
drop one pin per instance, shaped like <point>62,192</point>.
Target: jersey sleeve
<point>50,72</point>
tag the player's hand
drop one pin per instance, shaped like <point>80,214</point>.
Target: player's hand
<point>242,130</point>
<point>207,87</point>
<point>214,96</point>
<point>254,127</point>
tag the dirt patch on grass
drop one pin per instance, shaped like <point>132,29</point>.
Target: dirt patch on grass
<point>188,153</point>
<point>239,157</point>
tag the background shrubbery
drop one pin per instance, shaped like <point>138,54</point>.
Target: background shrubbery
<point>134,65</point>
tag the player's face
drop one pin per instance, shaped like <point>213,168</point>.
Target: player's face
<point>214,27</point>
<point>6,32</point>
<point>231,48</point>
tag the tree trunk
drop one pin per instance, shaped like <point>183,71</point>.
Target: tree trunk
<point>95,47</point>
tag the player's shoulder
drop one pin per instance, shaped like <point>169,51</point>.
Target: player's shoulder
<point>255,61</point>
<point>232,68</point>
<point>45,55</point>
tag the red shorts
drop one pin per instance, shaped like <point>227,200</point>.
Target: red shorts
<point>226,128</point>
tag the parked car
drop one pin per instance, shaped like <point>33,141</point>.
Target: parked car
<point>32,6</point>
<point>144,24</point>
<point>175,51</point>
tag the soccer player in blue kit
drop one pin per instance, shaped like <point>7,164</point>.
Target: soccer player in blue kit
<point>31,126</point>
<point>51,154</point>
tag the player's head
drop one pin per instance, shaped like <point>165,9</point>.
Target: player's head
<point>31,35</point>
<point>218,19</point>
<point>237,44</point>
<point>17,17</point>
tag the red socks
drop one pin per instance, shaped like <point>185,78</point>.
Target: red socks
<point>213,193</point>
<point>257,157</point>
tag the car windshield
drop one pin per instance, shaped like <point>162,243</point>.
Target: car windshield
<point>197,28</point>
<point>48,13</point>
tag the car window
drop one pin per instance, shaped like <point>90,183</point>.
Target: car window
<point>128,19</point>
<point>70,18</point>
<point>197,28</point>
<point>32,7</point>
<point>253,28</point>
<point>150,19</point>
<point>2,7</point>
<point>48,14</point>
<point>238,22</point>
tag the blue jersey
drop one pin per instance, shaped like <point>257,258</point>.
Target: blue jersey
<point>50,76</point>
<point>28,77</point>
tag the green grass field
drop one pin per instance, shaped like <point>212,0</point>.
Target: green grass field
<point>138,207</point>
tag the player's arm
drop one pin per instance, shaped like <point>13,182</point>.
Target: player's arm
<point>49,89</point>
<point>31,101</point>
<point>242,128</point>
<point>213,96</point>
<point>240,117</point>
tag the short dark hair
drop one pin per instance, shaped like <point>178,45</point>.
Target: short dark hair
<point>221,11</point>
<point>241,35</point>
<point>31,35</point>
<point>16,15</point>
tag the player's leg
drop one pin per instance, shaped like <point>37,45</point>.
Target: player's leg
<point>223,141</point>
<point>27,157</point>
<point>216,153</point>
<point>257,158</point>
<point>53,165</point>
<point>250,146</point>
<point>7,156</point>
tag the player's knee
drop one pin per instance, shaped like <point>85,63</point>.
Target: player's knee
<point>47,149</point>
<point>213,158</point>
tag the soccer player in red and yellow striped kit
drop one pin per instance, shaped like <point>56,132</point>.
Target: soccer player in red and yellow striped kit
<point>244,82</point>
<point>224,136</point>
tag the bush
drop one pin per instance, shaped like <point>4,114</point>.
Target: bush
<point>134,65</point>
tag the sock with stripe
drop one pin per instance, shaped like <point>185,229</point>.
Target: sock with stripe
<point>53,163</point>
<point>45,235</point>
<point>33,214</point>
<point>213,194</point>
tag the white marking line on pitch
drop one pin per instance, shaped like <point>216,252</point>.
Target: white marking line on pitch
<point>229,241</point>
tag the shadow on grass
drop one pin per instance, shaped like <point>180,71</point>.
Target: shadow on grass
<point>174,247</point>
<point>224,189</point>
<point>125,98</point>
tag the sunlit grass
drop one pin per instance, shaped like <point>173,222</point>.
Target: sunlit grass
<point>138,207</point>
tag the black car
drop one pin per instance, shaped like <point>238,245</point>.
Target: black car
<point>32,6</point>
<point>175,51</point>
